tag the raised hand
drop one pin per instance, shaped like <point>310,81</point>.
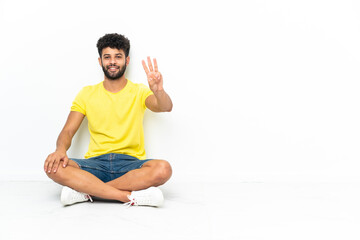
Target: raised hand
<point>154,77</point>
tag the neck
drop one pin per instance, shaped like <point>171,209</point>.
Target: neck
<point>115,85</point>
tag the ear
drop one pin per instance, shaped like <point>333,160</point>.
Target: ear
<point>127,60</point>
<point>100,62</point>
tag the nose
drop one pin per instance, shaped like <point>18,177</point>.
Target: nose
<point>112,60</point>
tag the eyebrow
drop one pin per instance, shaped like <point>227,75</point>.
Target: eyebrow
<point>107,54</point>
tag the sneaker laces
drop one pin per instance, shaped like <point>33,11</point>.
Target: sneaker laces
<point>89,197</point>
<point>138,200</point>
<point>131,203</point>
<point>147,197</point>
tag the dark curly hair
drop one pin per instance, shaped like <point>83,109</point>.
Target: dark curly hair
<point>114,40</point>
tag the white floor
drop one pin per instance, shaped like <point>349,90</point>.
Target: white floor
<point>32,210</point>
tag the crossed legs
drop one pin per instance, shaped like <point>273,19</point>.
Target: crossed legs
<point>152,173</point>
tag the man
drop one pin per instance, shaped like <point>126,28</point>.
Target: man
<point>115,166</point>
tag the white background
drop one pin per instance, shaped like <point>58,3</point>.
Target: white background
<point>262,90</point>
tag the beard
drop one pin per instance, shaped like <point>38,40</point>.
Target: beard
<point>113,75</point>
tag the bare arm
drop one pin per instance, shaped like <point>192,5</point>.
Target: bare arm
<point>160,100</point>
<point>63,143</point>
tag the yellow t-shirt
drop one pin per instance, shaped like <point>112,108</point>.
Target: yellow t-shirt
<point>115,120</point>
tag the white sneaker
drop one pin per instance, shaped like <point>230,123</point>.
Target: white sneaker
<point>70,196</point>
<point>148,197</point>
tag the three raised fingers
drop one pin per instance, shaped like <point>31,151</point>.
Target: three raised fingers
<point>151,68</point>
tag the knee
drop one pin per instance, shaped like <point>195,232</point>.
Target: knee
<point>57,176</point>
<point>163,172</point>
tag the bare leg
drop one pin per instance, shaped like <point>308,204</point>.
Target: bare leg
<point>82,181</point>
<point>152,173</point>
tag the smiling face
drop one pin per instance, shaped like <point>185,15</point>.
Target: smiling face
<point>113,63</point>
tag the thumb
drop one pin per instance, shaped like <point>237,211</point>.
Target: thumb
<point>66,160</point>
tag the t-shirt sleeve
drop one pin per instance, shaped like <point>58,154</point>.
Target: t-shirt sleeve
<point>78,104</point>
<point>145,92</point>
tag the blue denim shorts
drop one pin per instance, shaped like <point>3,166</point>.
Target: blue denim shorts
<point>109,166</point>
